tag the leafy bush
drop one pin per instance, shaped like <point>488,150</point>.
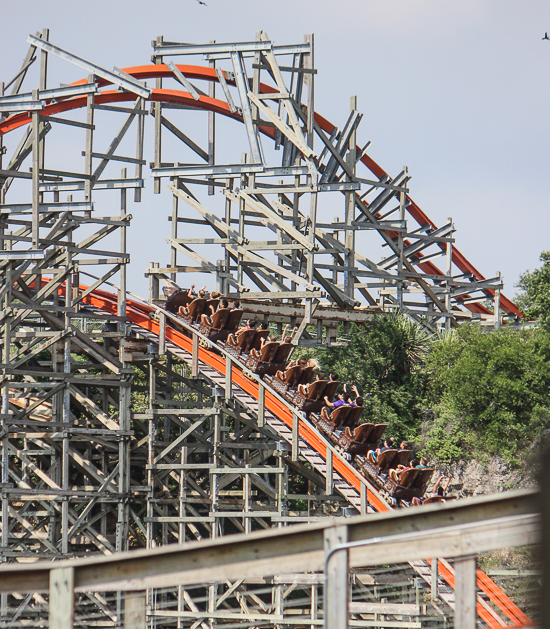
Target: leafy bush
<point>496,384</point>
<point>383,358</point>
<point>534,296</point>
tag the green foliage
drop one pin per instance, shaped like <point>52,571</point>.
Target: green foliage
<point>446,439</point>
<point>493,386</point>
<point>382,358</point>
<point>534,298</point>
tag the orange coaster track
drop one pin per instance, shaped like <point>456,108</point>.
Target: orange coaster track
<point>139,314</point>
<point>221,107</point>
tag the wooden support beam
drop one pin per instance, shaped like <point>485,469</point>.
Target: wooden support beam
<point>465,592</point>
<point>134,610</point>
<point>61,598</point>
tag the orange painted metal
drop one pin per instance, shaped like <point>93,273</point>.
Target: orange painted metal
<point>140,313</point>
<point>218,106</point>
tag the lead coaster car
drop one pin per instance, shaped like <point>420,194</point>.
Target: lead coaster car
<point>412,484</point>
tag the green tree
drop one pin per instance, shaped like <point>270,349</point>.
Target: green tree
<point>534,296</point>
<point>492,388</point>
<point>382,358</point>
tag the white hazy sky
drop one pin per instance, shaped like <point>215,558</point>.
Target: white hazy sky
<point>457,91</point>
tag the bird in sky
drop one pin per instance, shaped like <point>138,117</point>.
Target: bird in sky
<point>201,2</point>
<point>545,34</point>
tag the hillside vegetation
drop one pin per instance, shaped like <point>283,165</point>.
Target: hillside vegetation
<point>464,394</point>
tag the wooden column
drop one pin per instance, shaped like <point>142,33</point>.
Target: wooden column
<point>465,593</point>
<point>336,588</point>
<point>134,610</point>
<point>61,598</point>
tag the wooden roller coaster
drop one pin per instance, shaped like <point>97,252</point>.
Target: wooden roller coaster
<point>132,423</point>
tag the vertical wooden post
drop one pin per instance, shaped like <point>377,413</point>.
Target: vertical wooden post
<point>261,405</point>
<point>35,175</point>
<point>134,610</point>
<point>61,598</point>
<point>364,501</point>
<point>449,253</point>
<point>211,127</point>
<point>88,163</point>
<point>497,304</point>
<point>336,588</point>
<point>158,125</point>
<point>295,436</point>
<point>465,593</point>
<point>228,378</point>
<point>162,333</point>
<point>349,237</point>
<point>435,575</point>
<point>329,480</point>
<point>195,357</point>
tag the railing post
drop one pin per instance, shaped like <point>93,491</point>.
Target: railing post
<point>61,598</point>
<point>261,405</point>
<point>134,610</point>
<point>228,377</point>
<point>465,593</point>
<point>336,579</point>
<point>195,357</point>
<point>295,436</point>
<point>329,480</point>
<point>364,501</point>
<point>162,333</point>
<point>435,575</point>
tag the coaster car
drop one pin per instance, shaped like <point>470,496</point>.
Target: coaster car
<point>192,313</point>
<point>242,344</point>
<point>336,420</point>
<point>269,362</point>
<point>215,330</point>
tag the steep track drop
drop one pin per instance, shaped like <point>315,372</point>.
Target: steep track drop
<point>280,416</point>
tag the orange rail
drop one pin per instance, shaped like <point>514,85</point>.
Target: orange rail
<point>139,314</point>
<point>221,107</point>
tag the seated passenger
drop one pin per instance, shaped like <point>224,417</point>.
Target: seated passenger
<point>233,339</point>
<point>357,396</point>
<point>292,373</point>
<point>261,335</point>
<point>286,338</point>
<point>435,496</point>
<point>395,474</point>
<point>372,455</point>
<point>206,319</point>
<point>343,398</point>
<point>305,388</point>
<point>193,295</point>
<point>271,340</point>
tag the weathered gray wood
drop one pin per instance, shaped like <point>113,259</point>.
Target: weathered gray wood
<point>295,436</point>
<point>61,598</point>
<point>337,581</point>
<point>435,579</point>
<point>465,592</point>
<point>195,361</point>
<point>134,610</point>
<point>330,483</point>
<point>261,405</point>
